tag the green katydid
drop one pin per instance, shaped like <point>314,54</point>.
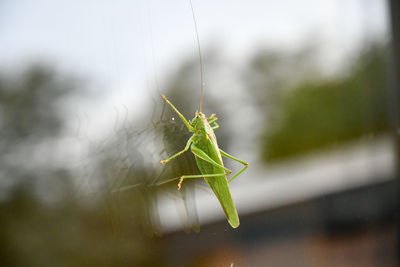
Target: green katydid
<point>203,145</point>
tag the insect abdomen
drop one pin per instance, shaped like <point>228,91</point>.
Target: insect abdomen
<point>219,185</point>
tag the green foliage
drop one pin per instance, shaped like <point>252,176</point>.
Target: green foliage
<point>321,114</point>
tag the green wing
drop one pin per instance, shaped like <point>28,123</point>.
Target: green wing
<point>219,185</point>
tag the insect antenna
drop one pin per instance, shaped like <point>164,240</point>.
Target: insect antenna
<point>200,58</point>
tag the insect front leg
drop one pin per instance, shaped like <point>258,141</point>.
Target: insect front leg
<point>189,142</point>
<point>212,119</point>
<point>179,114</point>
<point>216,126</point>
<point>223,153</point>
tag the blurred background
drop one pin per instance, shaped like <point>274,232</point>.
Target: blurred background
<point>305,91</point>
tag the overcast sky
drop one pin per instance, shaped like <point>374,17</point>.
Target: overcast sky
<point>123,45</point>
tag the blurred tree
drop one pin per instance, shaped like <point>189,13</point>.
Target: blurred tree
<point>31,115</point>
<point>269,72</point>
<point>69,232</point>
<point>320,112</point>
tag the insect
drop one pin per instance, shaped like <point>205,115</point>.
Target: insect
<point>203,144</point>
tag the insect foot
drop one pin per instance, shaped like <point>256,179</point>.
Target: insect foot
<point>180,183</point>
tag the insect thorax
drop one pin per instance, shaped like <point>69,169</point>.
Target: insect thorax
<point>199,122</point>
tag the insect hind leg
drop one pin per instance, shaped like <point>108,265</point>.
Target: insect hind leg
<point>203,155</point>
<point>246,165</point>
